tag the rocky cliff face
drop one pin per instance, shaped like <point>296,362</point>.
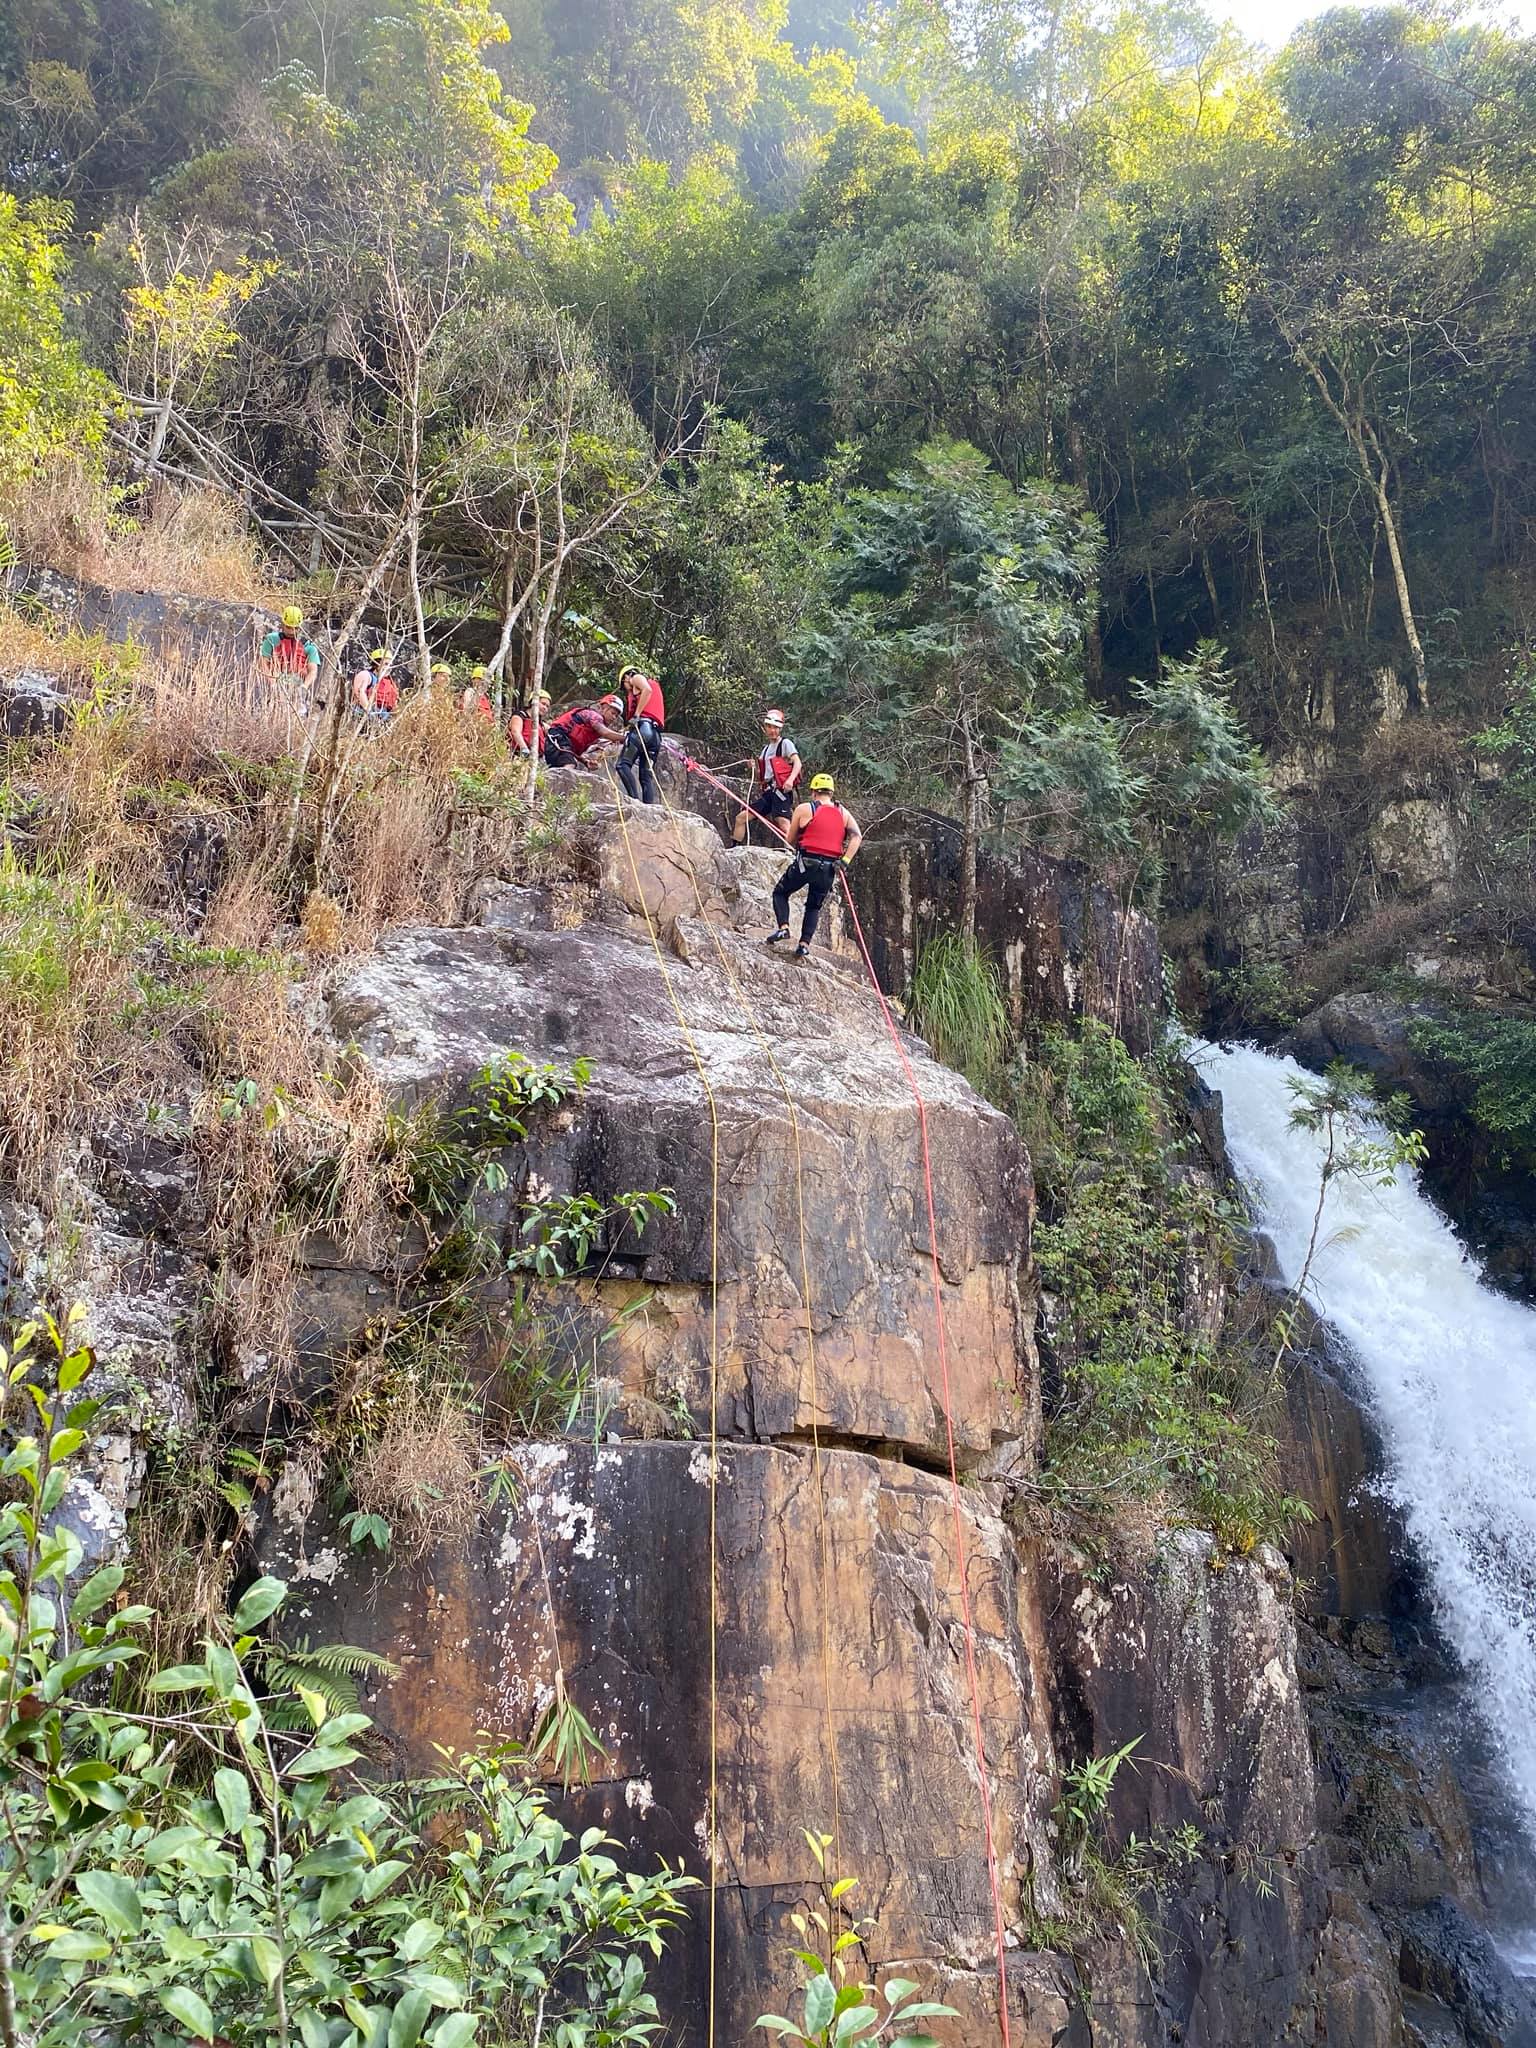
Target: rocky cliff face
<point>816,1677</point>
<point>743,1556</point>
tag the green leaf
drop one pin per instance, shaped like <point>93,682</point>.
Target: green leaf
<point>858,2019</point>
<point>776,2025</point>
<point>408,2018</point>
<point>454,2030</point>
<point>73,1946</point>
<point>916,2041</point>
<point>257,1603</point>
<point>96,1592</point>
<point>268,1958</point>
<point>65,1444</point>
<point>180,1678</point>
<point>233,1792</point>
<point>191,2011</point>
<point>114,1898</point>
<point>419,1939</point>
<point>898,1988</point>
<point>820,2001</point>
<point>440,1989</point>
<point>321,1760</point>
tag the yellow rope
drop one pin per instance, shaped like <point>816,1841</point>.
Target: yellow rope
<point>714,1400</point>
<point>810,1330</point>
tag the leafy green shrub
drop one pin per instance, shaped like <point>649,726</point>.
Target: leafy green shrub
<point>1498,1055</point>
<point>956,1003</point>
<point>1143,1402</point>
<point>281,1900</point>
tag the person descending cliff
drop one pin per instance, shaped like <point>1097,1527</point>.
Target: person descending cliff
<point>825,836</point>
<point>776,770</point>
<point>287,653</point>
<point>645,713</point>
<point>577,731</point>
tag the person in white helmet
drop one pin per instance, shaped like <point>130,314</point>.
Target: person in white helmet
<point>776,771</point>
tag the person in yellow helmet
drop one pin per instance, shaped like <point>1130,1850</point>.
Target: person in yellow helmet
<point>475,697</point>
<point>825,835</point>
<point>375,693</point>
<point>291,658</point>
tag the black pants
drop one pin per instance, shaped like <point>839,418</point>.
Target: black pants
<point>558,751</point>
<point>775,805</point>
<point>642,746</point>
<point>816,874</point>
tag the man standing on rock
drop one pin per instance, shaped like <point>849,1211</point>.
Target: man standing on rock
<point>825,836</point>
<point>775,775</point>
<point>645,713</point>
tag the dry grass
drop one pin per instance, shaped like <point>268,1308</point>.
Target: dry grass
<point>421,1472</point>
<point>161,537</point>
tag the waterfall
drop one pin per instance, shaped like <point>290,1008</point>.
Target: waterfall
<point>1449,1370</point>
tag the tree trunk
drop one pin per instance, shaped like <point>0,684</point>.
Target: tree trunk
<point>418,611</point>
<point>968,861</point>
<point>1400,579</point>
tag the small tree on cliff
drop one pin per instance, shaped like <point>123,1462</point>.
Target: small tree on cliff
<point>960,609</point>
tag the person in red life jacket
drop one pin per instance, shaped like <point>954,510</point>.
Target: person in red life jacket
<point>288,653</point>
<point>521,724</point>
<point>825,836</point>
<point>776,773</point>
<point>375,694</point>
<point>577,731</point>
<point>475,698</point>
<point>645,713</point>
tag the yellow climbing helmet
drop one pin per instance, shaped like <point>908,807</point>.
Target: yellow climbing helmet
<point>292,615</point>
<point>379,654</point>
<point>823,782</point>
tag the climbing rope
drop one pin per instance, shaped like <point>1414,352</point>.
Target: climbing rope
<point>966,1609</point>
<point>714,1411</point>
<point>810,1329</point>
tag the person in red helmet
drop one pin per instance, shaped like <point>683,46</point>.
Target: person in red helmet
<point>584,726</point>
<point>645,713</point>
<point>776,771</point>
<point>825,835</point>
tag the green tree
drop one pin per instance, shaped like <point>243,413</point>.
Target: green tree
<point>51,402</point>
<point>960,609</point>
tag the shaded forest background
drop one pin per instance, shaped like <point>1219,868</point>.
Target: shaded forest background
<point>752,333</point>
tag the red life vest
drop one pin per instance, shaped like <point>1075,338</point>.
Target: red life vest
<point>291,655</point>
<point>386,695</point>
<point>775,766</point>
<point>826,832</point>
<point>657,708</point>
<point>582,728</point>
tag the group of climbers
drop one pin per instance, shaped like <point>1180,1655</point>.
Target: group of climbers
<point>822,834</point>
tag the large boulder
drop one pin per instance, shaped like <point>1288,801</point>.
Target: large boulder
<point>794,1291</point>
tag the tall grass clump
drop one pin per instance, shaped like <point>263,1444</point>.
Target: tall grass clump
<point>956,1003</point>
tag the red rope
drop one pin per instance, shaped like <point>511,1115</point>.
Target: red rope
<point>949,1423</point>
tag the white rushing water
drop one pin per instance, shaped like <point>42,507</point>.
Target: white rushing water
<point>1450,1371</point>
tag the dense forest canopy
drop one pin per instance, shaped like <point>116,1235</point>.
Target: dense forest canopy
<point>632,312</point>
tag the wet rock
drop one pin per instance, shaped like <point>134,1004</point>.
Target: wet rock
<point>1447,1957</point>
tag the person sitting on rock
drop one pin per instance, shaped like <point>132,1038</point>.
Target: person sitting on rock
<point>520,726</point>
<point>577,731</point>
<point>776,770</point>
<point>475,697</point>
<point>287,653</point>
<point>645,713</point>
<point>825,836</point>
